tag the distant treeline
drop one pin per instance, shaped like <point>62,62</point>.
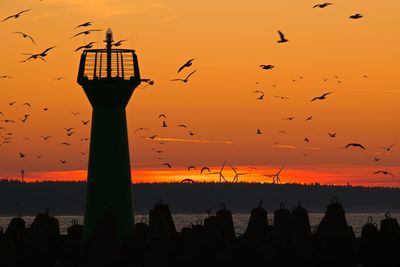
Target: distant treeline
<point>69,197</point>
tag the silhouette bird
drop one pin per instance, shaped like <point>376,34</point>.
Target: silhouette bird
<point>182,125</point>
<point>70,133</point>
<point>21,155</point>
<point>75,113</point>
<point>282,38</point>
<point>85,122</point>
<point>86,24</point>
<point>282,97</point>
<point>356,16</point>
<point>5,76</point>
<point>8,121</point>
<point>45,137</point>
<point>384,173</point>
<point>204,169</point>
<point>69,129</point>
<point>65,144</point>
<point>322,97</point>
<point>26,104</point>
<point>15,16</point>
<point>309,118</point>
<point>84,139</point>
<point>322,5</point>
<point>191,168</point>
<point>167,164</point>
<point>333,135</point>
<point>162,116</point>
<point>258,131</point>
<point>376,159</point>
<point>152,136</point>
<point>39,55</point>
<point>306,140</point>
<point>87,46</point>
<point>141,129</point>
<point>186,79</point>
<point>258,92</point>
<point>24,35</point>
<point>261,97</point>
<point>191,133</point>
<point>119,43</point>
<point>289,118</point>
<point>266,67</point>
<point>354,145</point>
<point>25,118</point>
<point>12,103</point>
<point>389,147</point>
<point>63,161</point>
<point>86,32</point>
<point>164,124</point>
<point>45,109</point>
<point>186,65</point>
<point>59,78</point>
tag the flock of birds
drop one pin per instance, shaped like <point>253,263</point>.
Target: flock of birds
<point>7,135</point>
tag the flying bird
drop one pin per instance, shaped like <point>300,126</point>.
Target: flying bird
<point>266,67</point>
<point>289,118</point>
<point>119,43</point>
<point>11,121</point>
<point>85,122</point>
<point>141,129</point>
<point>69,129</point>
<point>45,137</point>
<point>204,169</point>
<point>162,116</point>
<point>282,38</point>
<point>86,24</point>
<point>182,125</point>
<point>384,173</point>
<point>261,97</point>
<point>21,155</point>
<point>59,78</point>
<point>258,131</point>
<point>75,113</point>
<point>389,147</point>
<point>191,133</point>
<point>152,136</point>
<point>84,139</point>
<point>186,79</point>
<point>333,135</point>
<point>26,104</point>
<point>70,133</point>
<point>164,124</point>
<point>186,65</point>
<point>356,16</point>
<point>65,144</point>
<point>306,140</point>
<point>167,164</point>
<point>86,32</point>
<point>322,5</point>
<point>191,168</point>
<point>354,145</point>
<point>12,103</point>
<point>39,55</point>
<point>376,159</point>
<point>24,35</point>
<point>5,76</point>
<point>309,118</point>
<point>15,16</point>
<point>63,161</point>
<point>322,97</point>
<point>89,45</point>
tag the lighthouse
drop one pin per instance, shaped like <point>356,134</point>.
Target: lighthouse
<point>108,77</point>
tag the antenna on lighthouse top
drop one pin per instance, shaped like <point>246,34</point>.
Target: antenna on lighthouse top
<point>109,40</point>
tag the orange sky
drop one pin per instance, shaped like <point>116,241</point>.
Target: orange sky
<point>229,40</point>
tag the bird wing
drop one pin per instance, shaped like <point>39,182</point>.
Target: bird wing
<point>281,35</point>
<point>23,11</point>
<point>204,169</point>
<point>190,74</point>
<point>315,98</point>
<point>77,34</point>
<point>173,80</point>
<point>324,95</point>
<point>317,5</point>
<point>33,41</point>
<point>9,17</point>
<point>48,49</point>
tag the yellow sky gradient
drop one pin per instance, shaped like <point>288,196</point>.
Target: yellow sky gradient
<point>229,40</point>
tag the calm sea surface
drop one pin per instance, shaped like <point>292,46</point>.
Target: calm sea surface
<point>357,220</point>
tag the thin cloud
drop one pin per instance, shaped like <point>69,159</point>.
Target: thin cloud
<point>190,140</point>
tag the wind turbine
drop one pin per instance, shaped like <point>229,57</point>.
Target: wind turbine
<point>237,174</point>
<point>220,172</point>
<point>275,177</point>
